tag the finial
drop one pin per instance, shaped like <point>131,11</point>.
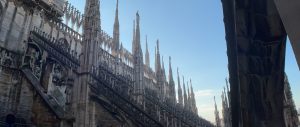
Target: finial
<point>170,68</point>
<point>227,84</point>
<point>133,29</point>
<point>187,84</point>
<point>137,17</point>
<point>163,64</point>
<point>157,45</point>
<point>117,4</point>
<point>117,7</point>
<point>191,83</point>
<point>170,61</point>
<point>215,100</point>
<point>146,43</point>
<point>133,38</point>
<point>222,96</point>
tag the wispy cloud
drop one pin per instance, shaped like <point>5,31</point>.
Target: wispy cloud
<point>208,108</point>
<point>204,93</point>
<point>205,103</point>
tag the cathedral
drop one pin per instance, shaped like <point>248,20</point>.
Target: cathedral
<point>58,68</point>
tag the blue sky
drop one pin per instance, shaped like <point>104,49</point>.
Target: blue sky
<point>192,33</point>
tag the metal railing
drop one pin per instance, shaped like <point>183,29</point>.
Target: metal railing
<point>55,48</point>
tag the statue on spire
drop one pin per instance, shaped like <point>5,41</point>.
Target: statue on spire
<point>91,33</point>
<point>218,120</point>
<point>171,83</point>
<point>184,94</point>
<point>193,101</point>
<point>138,64</point>
<point>116,33</point>
<point>147,57</point>
<point>180,99</point>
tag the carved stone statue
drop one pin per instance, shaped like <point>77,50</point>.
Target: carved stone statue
<point>56,73</point>
<point>68,93</point>
<point>59,75</point>
<point>6,59</point>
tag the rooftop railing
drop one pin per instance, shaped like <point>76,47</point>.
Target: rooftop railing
<point>60,50</point>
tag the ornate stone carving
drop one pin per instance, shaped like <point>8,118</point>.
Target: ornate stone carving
<point>62,84</point>
<point>63,43</point>
<point>6,60</point>
<point>59,75</point>
<point>59,49</point>
<point>32,59</point>
<point>9,59</point>
<point>68,90</point>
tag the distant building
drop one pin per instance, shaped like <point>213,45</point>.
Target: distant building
<point>217,117</point>
<point>290,110</point>
<point>299,115</point>
<point>226,106</point>
<point>290,113</point>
